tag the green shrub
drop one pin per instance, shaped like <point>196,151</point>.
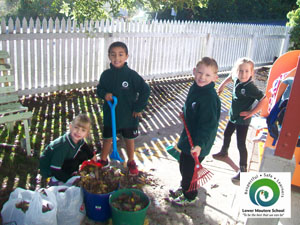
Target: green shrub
<point>294,23</point>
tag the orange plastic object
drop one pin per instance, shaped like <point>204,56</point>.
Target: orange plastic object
<point>283,64</point>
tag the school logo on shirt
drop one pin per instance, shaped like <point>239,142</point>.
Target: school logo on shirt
<point>193,105</point>
<point>125,84</point>
<point>243,91</point>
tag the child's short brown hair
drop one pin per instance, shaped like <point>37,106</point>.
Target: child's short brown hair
<point>209,62</point>
<point>82,120</point>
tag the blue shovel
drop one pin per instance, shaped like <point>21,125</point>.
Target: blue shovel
<point>114,155</point>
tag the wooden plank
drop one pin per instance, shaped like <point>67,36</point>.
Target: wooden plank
<point>75,55</point>
<point>11,29</point>
<point>51,55</point>
<point>39,81</point>
<point>4,54</point>
<point>32,71</point>
<point>5,67</point>
<point>15,117</point>
<point>9,98</point>
<point>57,54</point>
<point>8,89</point>
<point>69,75</point>
<point>25,56</point>
<point>80,58</point>
<point>27,137</point>
<point>7,78</point>
<point>18,68</point>
<point>45,61</point>
<point>91,60</point>
<point>97,55</point>
<point>63,75</point>
<point>86,54</point>
<point>11,108</point>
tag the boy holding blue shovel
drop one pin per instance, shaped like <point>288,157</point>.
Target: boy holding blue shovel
<point>125,92</point>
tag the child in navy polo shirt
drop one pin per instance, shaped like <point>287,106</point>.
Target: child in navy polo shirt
<point>244,95</point>
<point>62,157</point>
<point>201,112</point>
<point>132,93</point>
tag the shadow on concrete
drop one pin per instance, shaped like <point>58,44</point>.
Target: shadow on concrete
<point>229,161</point>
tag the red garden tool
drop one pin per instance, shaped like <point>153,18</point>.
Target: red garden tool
<point>90,162</point>
<point>201,175</point>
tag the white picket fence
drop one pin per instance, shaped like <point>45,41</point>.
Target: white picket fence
<point>58,55</point>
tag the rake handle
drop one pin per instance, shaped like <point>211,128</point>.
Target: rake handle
<point>187,130</point>
<point>194,154</point>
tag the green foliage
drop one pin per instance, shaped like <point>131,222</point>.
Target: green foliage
<point>8,7</point>
<point>294,23</point>
<point>212,10</point>
<point>36,9</point>
<point>82,10</point>
<point>96,10</point>
<point>235,11</point>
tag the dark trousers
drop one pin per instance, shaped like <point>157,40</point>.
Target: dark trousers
<point>186,166</point>
<point>241,135</point>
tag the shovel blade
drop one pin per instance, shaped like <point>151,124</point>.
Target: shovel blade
<point>115,156</point>
<point>173,152</point>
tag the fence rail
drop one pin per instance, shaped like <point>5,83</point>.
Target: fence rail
<point>56,55</point>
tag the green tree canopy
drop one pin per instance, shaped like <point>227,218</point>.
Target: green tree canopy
<point>294,23</point>
<point>96,9</point>
<point>236,11</point>
<point>212,10</point>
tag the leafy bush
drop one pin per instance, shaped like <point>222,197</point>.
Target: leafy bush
<point>294,23</point>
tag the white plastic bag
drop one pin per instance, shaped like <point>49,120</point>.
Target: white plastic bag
<point>70,210</point>
<point>10,214</point>
<point>34,215</point>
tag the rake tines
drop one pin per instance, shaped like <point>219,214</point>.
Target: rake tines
<point>200,177</point>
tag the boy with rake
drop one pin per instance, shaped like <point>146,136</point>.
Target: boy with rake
<point>201,112</point>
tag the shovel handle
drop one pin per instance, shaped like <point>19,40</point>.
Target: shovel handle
<point>113,104</point>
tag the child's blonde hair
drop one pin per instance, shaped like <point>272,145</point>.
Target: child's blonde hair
<point>238,63</point>
<point>207,61</point>
<point>82,120</point>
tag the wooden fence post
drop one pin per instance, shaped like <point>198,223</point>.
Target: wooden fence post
<point>251,46</point>
<point>209,46</point>
<point>291,124</point>
<point>285,42</point>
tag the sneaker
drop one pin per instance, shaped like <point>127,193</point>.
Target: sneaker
<point>183,201</point>
<point>261,137</point>
<point>220,155</point>
<point>104,163</point>
<point>236,179</point>
<point>176,193</point>
<point>133,170</point>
